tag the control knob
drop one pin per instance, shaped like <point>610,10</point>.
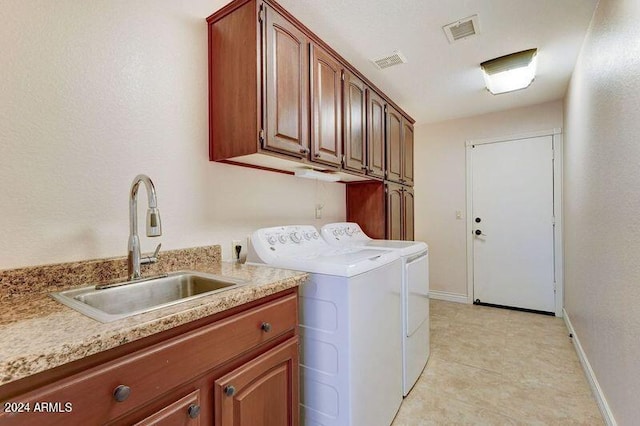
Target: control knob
<point>271,239</point>
<point>307,236</point>
<point>282,238</point>
<point>348,231</point>
<point>315,235</point>
<point>335,232</point>
<point>340,231</point>
<point>296,237</point>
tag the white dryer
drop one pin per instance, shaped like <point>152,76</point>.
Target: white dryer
<point>350,315</point>
<point>415,292</point>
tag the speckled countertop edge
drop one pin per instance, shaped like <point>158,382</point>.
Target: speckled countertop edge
<point>53,334</point>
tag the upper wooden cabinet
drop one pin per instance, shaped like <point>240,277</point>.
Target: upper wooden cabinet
<point>375,134</point>
<point>326,107</point>
<point>355,123</point>
<point>399,148</point>
<point>407,153</point>
<point>394,145</point>
<point>280,98</point>
<point>286,86</point>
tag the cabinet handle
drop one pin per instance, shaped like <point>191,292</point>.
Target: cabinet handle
<point>317,155</point>
<point>266,327</point>
<point>229,390</point>
<point>121,393</point>
<point>304,150</point>
<point>193,411</point>
<point>364,168</point>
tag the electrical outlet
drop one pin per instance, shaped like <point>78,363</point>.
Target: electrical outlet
<point>234,244</point>
<point>319,211</point>
<point>459,214</point>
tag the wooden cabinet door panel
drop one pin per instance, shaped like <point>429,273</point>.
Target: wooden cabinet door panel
<point>394,212</point>
<point>185,411</point>
<point>286,86</point>
<point>326,108</point>
<point>263,392</point>
<point>394,144</point>
<point>407,152</point>
<point>375,134</point>
<point>355,132</point>
<point>407,215</point>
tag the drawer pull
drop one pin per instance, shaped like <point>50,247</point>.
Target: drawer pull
<point>193,411</point>
<point>121,393</point>
<point>266,327</point>
<point>229,390</point>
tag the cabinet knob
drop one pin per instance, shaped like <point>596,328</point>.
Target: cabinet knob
<point>193,411</point>
<point>121,393</point>
<point>229,390</point>
<point>317,155</point>
<point>304,150</point>
<point>266,327</point>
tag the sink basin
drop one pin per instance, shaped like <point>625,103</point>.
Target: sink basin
<point>121,300</point>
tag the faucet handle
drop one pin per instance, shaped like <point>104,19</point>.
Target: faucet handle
<point>151,259</point>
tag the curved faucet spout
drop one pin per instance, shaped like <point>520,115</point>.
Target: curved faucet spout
<point>154,226</point>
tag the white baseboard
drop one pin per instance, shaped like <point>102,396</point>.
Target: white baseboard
<point>591,377</point>
<point>449,297</point>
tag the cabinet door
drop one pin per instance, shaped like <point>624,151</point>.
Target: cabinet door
<point>407,214</point>
<point>394,212</point>
<point>326,108</point>
<point>375,134</point>
<point>286,57</point>
<point>355,132</point>
<point>407,152</point>
<point>394,144</point>
<point>262,392</point>
<point>185,411</point>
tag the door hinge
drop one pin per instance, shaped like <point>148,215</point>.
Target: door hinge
<point>261,137</point>
<point>342,75</point>
<point>385,108</point>
<point>342,161</point>
<point>261,14</point>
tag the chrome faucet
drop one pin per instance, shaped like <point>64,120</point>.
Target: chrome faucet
<point>154,228</point>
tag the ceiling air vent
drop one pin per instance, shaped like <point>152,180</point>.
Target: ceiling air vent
<point>396,58</point>
<point>462,29</point>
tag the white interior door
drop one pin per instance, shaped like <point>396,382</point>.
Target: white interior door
<point>512,217</point>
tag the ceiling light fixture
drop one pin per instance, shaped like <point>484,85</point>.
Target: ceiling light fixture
<point>510,72</point>
<point>314,174</point>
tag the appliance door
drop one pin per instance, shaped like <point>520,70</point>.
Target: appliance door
<point>417,292</point>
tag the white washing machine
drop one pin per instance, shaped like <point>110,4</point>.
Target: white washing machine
<point>415,292</point>
<point>350,348</point>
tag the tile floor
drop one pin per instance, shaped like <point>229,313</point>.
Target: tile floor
<point>498,367</point>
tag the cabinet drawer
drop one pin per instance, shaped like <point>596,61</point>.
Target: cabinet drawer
<point>185,411</point>
<point>147,374</point>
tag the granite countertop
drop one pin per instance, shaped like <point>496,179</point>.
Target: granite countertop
<point>39,333</point>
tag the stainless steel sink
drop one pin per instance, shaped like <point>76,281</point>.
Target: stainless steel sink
<point>121,300</point>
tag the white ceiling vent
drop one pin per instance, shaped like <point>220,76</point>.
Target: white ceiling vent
<point>396,58</point>
<point>462,29</point>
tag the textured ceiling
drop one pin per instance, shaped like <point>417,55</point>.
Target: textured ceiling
<point>441,80</point>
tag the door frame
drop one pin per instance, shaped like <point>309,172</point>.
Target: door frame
<point>558,258</point>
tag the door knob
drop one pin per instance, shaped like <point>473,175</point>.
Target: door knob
<point>479,232</point>
<point>478,220</point>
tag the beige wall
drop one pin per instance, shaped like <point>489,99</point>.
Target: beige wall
<point>440,183</point>
<point>94,93</point>
<point>602,203</point>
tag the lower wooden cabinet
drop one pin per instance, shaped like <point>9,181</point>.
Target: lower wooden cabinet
<point>263,392</point>
<point>175,381</point>
<point>384,210</point>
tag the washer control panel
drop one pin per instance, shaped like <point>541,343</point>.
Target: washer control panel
<point>294,239</point>
<point>345,231</point>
